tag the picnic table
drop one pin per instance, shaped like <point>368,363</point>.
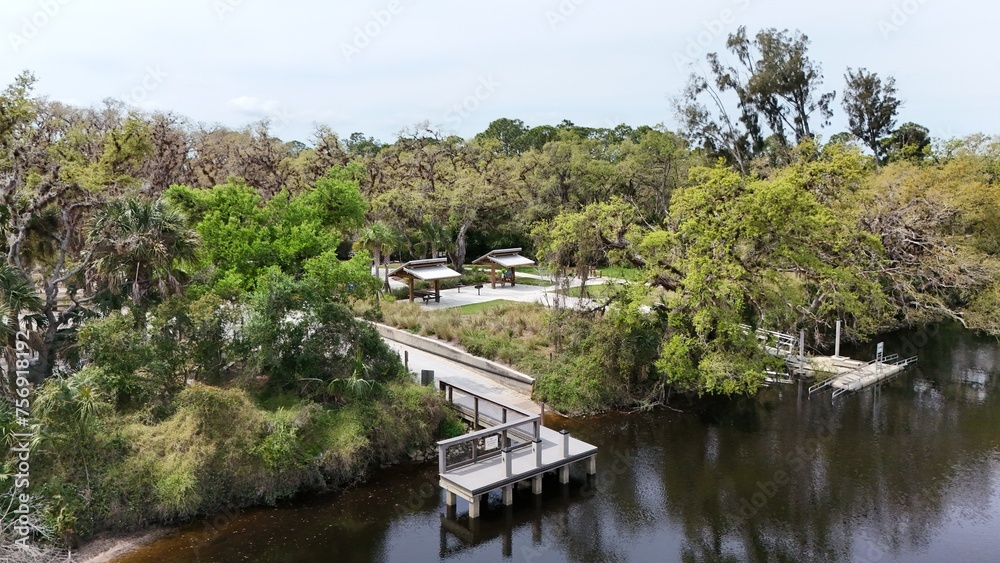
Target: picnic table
<point>427,295</point>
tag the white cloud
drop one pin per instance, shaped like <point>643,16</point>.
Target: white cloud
<point>255,106</point>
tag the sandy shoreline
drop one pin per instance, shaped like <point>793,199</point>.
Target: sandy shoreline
<point>105,548</point>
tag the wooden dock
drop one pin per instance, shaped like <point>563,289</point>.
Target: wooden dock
<point>507,446</point>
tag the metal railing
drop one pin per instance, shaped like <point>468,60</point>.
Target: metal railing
<point>482,412</point>
<point>498,431</point>
<point>488,442</point>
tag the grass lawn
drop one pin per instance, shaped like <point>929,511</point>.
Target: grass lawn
<point>601,291</point>
<point>479,307</point>
<point>598,291</point>
<point>621,272</point>
<point>533,281</point>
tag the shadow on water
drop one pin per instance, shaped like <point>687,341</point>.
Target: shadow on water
<point>906,472</point>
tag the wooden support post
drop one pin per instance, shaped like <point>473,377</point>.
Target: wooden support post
<point>474,506</point>
<point>450,498</point>
<point>836,346</point>
<point>536,485</point>
<point>564,474</point>
<point>536,449</point>
<point>592,465</point>
<point>541,418</point>
<point>565,442</point>
<point>493,276</point>
<point>508,495</point>
<point>437,291</point>
<point>513,276</point>
<point>475,422</point>
<point>410,283</point>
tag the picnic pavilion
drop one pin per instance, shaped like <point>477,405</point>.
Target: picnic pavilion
<point>507,258</point>
<point>430,270</point>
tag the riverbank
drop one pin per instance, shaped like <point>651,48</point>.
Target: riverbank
<point>111,547</point>
<point>108,547</point>
<point>909,475</point>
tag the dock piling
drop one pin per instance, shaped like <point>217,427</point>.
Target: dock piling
<point>565,442</point>
<point>508,495</point>
<point>507,455</point>
<point>836,346</point>
<point>536,448</point>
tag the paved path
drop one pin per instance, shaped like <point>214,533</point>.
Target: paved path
<point>463,376</point>
<point>545,295</point>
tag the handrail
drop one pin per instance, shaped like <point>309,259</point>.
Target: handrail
<point>491,431</point>
<point>443,385</point>
<point>504,430</point>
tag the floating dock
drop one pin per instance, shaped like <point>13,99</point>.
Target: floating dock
<point>864,375</point>
<point>840,373</point>
<point>507,446</point>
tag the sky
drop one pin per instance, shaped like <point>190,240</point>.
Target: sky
<point>383,66</point>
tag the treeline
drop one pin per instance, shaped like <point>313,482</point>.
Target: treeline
<point>194,349</point>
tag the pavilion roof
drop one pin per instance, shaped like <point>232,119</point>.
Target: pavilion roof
<point>506,257</point>
<point>426,270</point>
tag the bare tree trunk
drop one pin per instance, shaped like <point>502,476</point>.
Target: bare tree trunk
<point>458,259</point>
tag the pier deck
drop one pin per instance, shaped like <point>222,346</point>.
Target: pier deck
<point>507,446</point>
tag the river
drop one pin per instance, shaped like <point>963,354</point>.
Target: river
<point>910,473</point>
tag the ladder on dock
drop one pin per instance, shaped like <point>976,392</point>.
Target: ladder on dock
<point>512,446</point>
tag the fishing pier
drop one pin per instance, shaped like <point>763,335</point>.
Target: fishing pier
<point>506,447</point>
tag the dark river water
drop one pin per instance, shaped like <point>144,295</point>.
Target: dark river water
<point>908,473</point>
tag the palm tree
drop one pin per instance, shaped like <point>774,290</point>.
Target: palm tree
<point>434,237</point>
<point>139,246</point>
<point>17,294</point>
<point>379,238</point>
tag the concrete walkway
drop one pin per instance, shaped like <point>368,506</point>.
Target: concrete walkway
<point>545,295</point>
<point>463,376</point>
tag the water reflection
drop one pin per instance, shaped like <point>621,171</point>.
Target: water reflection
<point>906,472</point>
